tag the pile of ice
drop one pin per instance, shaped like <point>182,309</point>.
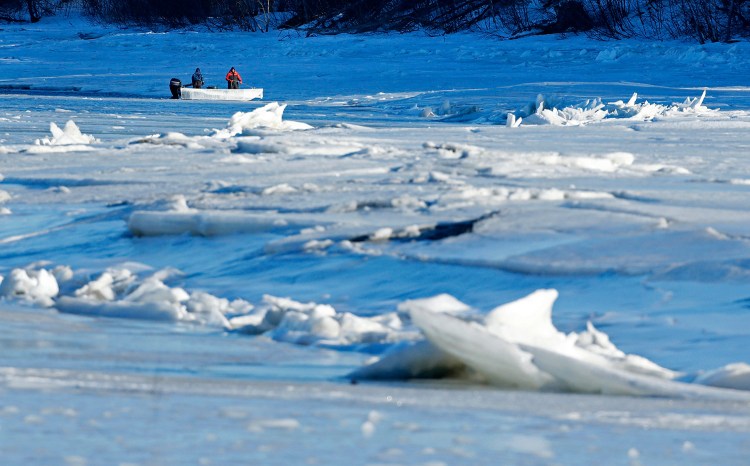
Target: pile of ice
<point>119,292</point>
<point>517,346</point>
<point>548,111</point>
<point>259,122</point>
<point>284,319</point>
<point>545,112</point>
<point>34,284</point>
<point>70,137</point>
<point>647,111</point>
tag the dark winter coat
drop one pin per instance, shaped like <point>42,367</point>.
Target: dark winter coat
<point>197,78</point>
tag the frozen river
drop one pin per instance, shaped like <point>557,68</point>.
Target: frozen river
<point>194,282</point>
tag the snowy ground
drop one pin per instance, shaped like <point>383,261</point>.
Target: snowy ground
<point>257,255</point>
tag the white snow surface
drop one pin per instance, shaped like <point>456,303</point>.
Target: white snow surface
<point>399,207</point>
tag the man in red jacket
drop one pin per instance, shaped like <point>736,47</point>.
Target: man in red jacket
<point>233,79</point>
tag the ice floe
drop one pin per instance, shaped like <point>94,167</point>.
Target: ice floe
<point>209,223</point>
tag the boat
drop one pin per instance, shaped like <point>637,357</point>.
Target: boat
<point>221,94</point>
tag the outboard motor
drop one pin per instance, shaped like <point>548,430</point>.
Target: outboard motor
<point>175,86</point>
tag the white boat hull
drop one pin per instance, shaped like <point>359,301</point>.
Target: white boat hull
<point>221,94</point>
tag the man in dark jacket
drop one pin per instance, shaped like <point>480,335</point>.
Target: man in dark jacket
<point>197,79</point>
<point>233,79</point>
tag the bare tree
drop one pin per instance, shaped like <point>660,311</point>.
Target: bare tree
<point>11,9</point>
<point>706,20</point>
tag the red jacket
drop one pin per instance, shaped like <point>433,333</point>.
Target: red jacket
<point>232,74</point>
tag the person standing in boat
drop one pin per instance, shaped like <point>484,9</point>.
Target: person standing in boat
<point>233,79</point>
<point>197,79</point>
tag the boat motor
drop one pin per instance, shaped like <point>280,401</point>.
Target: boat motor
<point>174,87</point>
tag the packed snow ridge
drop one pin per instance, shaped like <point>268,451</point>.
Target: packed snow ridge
<point>515,346</point>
